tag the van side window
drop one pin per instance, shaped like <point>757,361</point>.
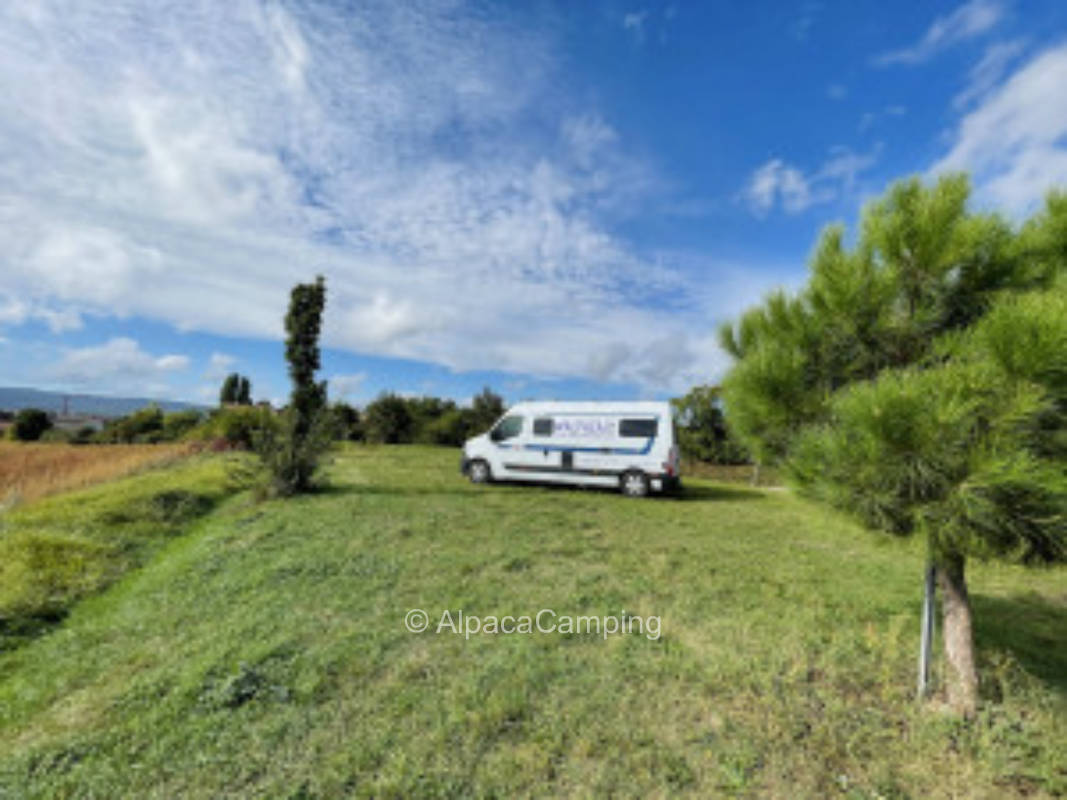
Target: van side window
<point>542,426</point>
<point>642,428</point>
<point>507,428</point>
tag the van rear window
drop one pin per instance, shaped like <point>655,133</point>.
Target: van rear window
<point>542,426</point>
<point>642,428</point>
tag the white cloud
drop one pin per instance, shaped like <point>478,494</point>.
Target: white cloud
<point>1014,142</point>
<point>836,91</point>
<point>969,20</point>
<point>987,73</point>
<point>151,170</point>
<point>778,183</point>
<point>116,367</point>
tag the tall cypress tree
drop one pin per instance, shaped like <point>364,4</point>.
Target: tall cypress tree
<point>303,324</point>
<point>291,452</point>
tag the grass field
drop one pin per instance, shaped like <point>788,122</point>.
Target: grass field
<point>31,471</point>
<point>263,654</point>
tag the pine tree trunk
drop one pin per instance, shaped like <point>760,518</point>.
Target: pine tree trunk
<point>962,677</point>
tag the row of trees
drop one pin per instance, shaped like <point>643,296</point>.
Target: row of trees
<point>389,419</point>
<point>395,419</point>
<point>919,381</point>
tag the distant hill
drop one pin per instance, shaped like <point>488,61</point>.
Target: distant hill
<point>15,398</point>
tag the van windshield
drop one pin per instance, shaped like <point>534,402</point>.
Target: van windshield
<point>507,428</point>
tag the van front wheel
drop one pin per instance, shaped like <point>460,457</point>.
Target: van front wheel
<point>634,483</point>
<point>479,472</point>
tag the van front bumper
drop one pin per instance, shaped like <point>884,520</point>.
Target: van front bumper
<point>464,464</point>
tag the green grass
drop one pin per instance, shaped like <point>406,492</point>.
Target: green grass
<point>264,654</point>
<point>62,548</point>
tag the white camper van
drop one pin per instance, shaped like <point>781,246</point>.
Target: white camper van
<point>629,446</point>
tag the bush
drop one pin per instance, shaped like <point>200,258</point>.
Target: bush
<point>145,425</point>
<point>452,428</point>
<point>289,454</point>
<point>84,435</point>
<point>179,423</point>
<point>237,426</point>
<point>702,431</point>
<point>348,423</point>
<point>29,424</point>
<point>388,420</point>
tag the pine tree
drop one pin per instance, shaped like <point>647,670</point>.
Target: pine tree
<point>919,381</point>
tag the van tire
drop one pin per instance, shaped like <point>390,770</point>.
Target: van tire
<point>634,483</point>
<point>479,471</point>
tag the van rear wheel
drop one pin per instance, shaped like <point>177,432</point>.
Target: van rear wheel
<point>479,471</point>
<point>634,483</point>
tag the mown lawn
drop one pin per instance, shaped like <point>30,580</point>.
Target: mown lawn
<point>265,654</point>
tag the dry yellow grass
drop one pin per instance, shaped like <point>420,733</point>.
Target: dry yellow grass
<point>31,471</point>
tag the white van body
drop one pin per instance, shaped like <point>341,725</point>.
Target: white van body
<point>625,445</point>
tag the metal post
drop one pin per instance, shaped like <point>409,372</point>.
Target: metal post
<point>927,634</point>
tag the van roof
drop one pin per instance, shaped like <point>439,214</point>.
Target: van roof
<point>594,406</point>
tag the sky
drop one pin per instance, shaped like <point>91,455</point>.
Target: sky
<point>554,199</point>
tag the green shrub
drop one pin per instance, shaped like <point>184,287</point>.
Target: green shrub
<point>349,423</point>
<point>451,429</point>
<point>388,420</point>
<point>290,455</point>
<point>30,424</point>
<point>178,423</point>
<point>237,426</point>
<point>84,435</point>
<point>144,425</point>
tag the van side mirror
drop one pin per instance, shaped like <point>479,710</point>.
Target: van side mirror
<point>494,434</point>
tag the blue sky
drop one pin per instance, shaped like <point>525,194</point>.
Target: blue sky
<point>555,199</point>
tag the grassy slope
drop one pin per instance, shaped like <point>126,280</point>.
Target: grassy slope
<point>60,549</point>
<point>265,654</point>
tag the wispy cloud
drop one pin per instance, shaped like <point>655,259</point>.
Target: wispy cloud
<point>1014,142</point>
<point>966,22</point>
<point>191,172</point>
<point>988,71</point>
<point>634,22</point>
<point>800,28</point>
<point>836,91</point>
<point>777,183</point>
